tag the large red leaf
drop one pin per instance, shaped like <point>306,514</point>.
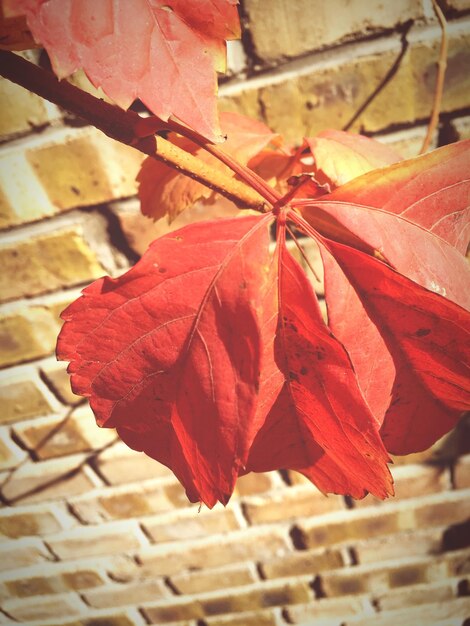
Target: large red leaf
<point>177,353</point>
<point>320,423</point>
<point>164,53</point>
<point>428,338</point>
<point>412,250</point>
<point>432,190</point>
<point>165,192</point>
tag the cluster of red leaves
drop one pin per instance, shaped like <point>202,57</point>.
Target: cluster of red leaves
<point>211,354</point>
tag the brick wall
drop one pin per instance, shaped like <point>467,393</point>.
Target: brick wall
<point>94,534</point>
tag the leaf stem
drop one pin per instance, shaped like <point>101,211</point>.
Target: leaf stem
<point>123,126</point>
<point>441,72</point>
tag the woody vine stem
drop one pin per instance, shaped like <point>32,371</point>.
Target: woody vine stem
<point>130,128</point>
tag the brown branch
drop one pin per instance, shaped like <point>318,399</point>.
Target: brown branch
<point>441,72</point>
<point>122,126</point>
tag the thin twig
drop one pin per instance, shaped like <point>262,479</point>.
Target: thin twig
<point>121,125</point>
<point>441,72</point>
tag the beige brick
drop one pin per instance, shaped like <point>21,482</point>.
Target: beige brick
<point>49,578</point>
<point>251,544</point>
<point>45,607</point>
<point>120,465</point>
<point>448,508</point>
<point>257,483</point>
<point>132,594</point>
<point>11,455</point>
<point>329,611</point>
<point>303,562</point>
<point>284,29</point>
<point>218,578</point>
<point>379,577</point>
<point>462,473</point>
<point>249,598</point>
<point>107,617</point>
<point>22,110</point>
<point>58,379</point>
<point>23,552</point>
<point>47,262</point>
<point>23,395</point>
<point>452,613</point>
<point>33,520</point>
<point>135,500</point>
<point>462,127</point>
<point>412,481</point>
<point>55,478</point>
<point>407,142</point>
<point>178,609</point>
<point>61,169</point>
<point>290,503</point>
<point>58,436</point>
<point>345,526</point>
<point>430,511</point>
<point>84,167</point>
<point>191,523</point>
<point>87,541</point>
<point>416,542</point>
<point>327,93</point>
<point>26,332</point>
<point>269,617</point>
<point>258,596</point>
<point>441,591</point>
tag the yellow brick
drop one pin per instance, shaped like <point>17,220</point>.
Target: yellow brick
<point>257,544</point>
<point>22,110</point>
<point>23,552</point>
<point>302,562</point>
<point>54,436</point>
<point>119,465</point>
<point>218,578</point>
<point>55,478</point>
<point>85,168</point>
<point>132,594</point>
<point>250,618</point>
<point>145,498</point>
<point>10,454</point>
<point>26,521</point>
<point>412,481</point>
<point>24,396</point>
<point>290,503</point>
<point>281,28</point>
<point>45,263</point>
<point>325,95</point>
<point>27,333</point>
<point>185,524</point>
<point>45,607</point>
<point>92,541</point>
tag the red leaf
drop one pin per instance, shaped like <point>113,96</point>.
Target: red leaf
<point>428,338</point>
<point>165,192</point>
<point>432,190</point>
<point>320,423</point>
<point>175,353</point>
<point>165,54</point>
<point>341,156</point>
<point>413,251</point>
